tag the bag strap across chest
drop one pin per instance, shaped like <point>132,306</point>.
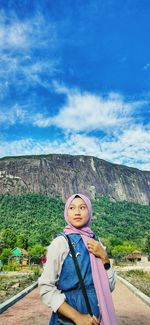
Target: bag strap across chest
<point>78,273</point>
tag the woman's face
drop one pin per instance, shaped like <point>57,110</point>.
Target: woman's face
<point>78,213</point>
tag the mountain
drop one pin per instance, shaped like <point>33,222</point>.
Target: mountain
<point>63,175</point>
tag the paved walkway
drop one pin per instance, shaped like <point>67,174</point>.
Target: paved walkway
<point>130,310</point>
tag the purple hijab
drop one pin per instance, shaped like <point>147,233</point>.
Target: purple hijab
<point>99,274</point>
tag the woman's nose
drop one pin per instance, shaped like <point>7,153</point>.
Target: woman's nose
<point>77,210</point>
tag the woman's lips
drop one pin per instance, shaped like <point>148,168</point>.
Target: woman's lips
<point>78,218</point>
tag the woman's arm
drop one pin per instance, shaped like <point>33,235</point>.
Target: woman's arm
<point>111,278</point>
<point>50,295</point>
<point>79,319</point>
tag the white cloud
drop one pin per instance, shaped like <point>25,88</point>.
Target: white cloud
<point>87,112</point>
<point>131,149</point>
<point>19,40</point>
<point>124,142</point>
<point>13,115</point>
<point>26,34</point>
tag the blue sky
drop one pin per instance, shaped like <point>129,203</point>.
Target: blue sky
<point>75,79</point>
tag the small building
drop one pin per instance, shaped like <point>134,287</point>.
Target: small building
<point>133,257</point>
<point>137,257</point>
<point>19,256</point>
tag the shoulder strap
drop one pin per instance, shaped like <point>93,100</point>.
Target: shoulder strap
<point>79,276</point>
<point>61,234</point>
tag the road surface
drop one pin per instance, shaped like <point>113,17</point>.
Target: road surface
<point>130,310</point>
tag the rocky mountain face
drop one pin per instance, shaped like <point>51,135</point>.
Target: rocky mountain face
<point>65,174</point>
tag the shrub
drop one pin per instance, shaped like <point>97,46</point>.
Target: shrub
<point>9,268</point>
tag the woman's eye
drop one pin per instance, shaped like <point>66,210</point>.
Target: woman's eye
<point>82,208</point>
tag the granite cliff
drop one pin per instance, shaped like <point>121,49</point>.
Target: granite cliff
<point>65,174</point>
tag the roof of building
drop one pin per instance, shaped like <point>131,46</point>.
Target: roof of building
<point>22,250</point>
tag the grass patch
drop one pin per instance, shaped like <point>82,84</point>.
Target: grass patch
<point>139,278</point>
<point>11,285</point>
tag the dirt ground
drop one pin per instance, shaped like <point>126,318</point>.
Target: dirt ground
<point>130,310</point>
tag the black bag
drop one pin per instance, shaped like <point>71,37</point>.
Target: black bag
<point>64,320</point>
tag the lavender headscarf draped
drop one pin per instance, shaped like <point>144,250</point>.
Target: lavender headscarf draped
<point>85,199</point>
<point>100,278</point>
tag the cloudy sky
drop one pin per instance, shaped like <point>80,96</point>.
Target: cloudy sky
<point>75,79</point>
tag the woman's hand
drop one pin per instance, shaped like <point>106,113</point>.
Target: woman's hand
<point>86,320</point>
<point>79,319</point>
<point>97,249</point>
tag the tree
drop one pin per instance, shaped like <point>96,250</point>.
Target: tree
<point>5,255</point>
<point>114,241</point>
<point>2,244</point>
<point>22,241</point>
<point>125,248</point>
<point>36,250</point>
<point>147,244</point>
<point>41,218</point>
<point>9,238</point>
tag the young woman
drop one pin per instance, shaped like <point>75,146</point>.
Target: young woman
<point>59,283</point>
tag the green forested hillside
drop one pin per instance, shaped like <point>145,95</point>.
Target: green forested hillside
<point>35,215</point>
<point>124,220</point>
<point>40,218</point>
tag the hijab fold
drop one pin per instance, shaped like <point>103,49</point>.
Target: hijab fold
<point>99,274</point>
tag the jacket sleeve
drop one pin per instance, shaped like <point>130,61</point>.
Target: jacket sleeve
<point>111,278</point>
<point>56,254</point>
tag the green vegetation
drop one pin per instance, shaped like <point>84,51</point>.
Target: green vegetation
<point>147,244</point>
<point>34,217</point>
<point>6,252</point>
<point>36,250</point>
<point>50,155</point>
<point>30,219</point>
<point>139,279</point>
<point>9,268</point>
<point>126,247</point>
<point>124,220</point>
<point>11,285</point>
